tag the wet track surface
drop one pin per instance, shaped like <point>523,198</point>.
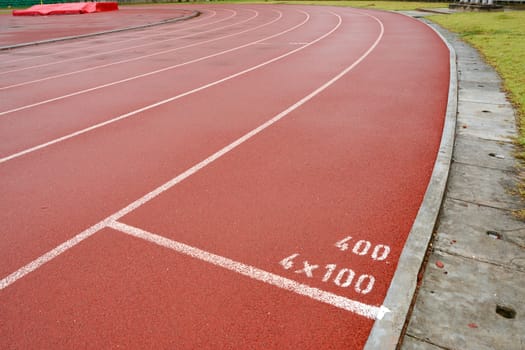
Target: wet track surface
<point>243,179</point>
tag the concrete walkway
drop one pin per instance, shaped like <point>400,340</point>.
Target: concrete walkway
<point>472,292</point>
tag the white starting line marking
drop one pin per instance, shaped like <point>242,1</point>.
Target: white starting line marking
<point>111,221</point>
<point>369,311</point>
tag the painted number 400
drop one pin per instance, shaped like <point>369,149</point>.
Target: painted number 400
<point>362,247</point>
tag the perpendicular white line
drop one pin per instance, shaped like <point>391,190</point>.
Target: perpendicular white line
<point>369,311</point>
<point>110,51</point>
<point>154,105</point>
<point>166,186</point>
<point>138,58</point>
<point>152,72</point>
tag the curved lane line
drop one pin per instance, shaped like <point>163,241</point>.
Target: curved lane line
<point>111,51</point>
<point>154,105</point>
<point>143,56</point>
<point>158,70</point>
<point>201,18</point>
<point>350,305</point>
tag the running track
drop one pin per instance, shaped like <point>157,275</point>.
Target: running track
<point>185,186</point>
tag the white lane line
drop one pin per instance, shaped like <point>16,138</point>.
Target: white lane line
<point>138,58</point>
<point>154,105</point>
<point>35,264</point>
<point>368,311</point>
<point>159,70</point>
<point>156,30</point>
<point>111,51</point>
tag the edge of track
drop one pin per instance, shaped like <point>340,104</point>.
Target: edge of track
<point>193,14</point>
<point>386,333</point>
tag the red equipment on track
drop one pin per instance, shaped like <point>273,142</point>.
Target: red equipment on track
<point>67,9</point>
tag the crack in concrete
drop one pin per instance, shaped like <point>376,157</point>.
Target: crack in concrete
<point>482,102</point>
<point>484,204</point>
<point>484,167</point>
<point>428,342</point>
<point>510,267</point>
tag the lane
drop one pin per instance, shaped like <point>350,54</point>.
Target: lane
<point>279,202</point>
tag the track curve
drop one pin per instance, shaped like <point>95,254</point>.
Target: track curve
<point>275,156</point>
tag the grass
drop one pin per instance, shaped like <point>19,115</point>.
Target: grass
<point>500,37</point>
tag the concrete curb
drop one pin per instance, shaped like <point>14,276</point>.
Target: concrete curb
<point>386,333</point>
<point>47,41</point>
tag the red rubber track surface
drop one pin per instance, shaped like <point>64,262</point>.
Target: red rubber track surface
<point>350,156</point>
